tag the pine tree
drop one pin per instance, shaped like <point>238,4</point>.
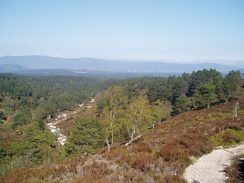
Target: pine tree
<point>182,104</point>
<point>231,85</point>
<point>86,137</point>
<point>205,94</point>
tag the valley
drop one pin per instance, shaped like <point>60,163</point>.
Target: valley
<point>162,154</point>
<point>148,129</point>
<point>53,125</point>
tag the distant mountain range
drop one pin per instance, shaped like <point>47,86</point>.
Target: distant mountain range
<point>11,68</point>
<point>79,66</point>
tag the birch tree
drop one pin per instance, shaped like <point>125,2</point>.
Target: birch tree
<point>139,116</point>
<point>160,110</point>
<point>114,101</point>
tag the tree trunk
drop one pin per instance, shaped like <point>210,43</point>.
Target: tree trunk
<point>112,136</point>
<point>194,104</point>
<point>111,126</point>
<point>132,140</point>
<point>235,110</point>
<point>108,145</point>
<point>134,132</point>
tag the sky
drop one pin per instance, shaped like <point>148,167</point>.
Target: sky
<point>163,30</point>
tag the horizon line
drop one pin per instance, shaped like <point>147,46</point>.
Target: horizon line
<point>158,60</point>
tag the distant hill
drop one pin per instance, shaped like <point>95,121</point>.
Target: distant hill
<point>45,62</point>
<point>11,68</point>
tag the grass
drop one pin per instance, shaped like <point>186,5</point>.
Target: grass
<point>227,138</point>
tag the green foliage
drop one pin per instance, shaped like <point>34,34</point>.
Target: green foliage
<point>13,86</point>
<point>32,145</point>
<point>86,137</point>
<point>189,85</point>
<point>179,88</point>
<point>28,101</point>
<point>182,104</point>
<point>199,78</point>
<point>113,98</point>
<point>134,106</point>
<point>9,105</point>
<point>227,138</point>
<point>122,117</point>
<point>111,108</point>
<point>205,94</point>
<point>161,110</point>
<point>2,116</point>
<point>139,115</point>
<point>52,93</point>
<point>231,85</point>
<point>22,117</point>
<point>124,111</point>
<point>2,152</point>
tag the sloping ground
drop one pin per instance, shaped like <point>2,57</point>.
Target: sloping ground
<point>161,155</point>
<point>84,111</point>
<point>65,121</point>
<point>61,139</point>
<point>212,165</point>
<point>235,171</point>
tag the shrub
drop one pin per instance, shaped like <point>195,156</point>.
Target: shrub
<point>143,161</point>
<point>2,116</point>
<point>172,152</point>
<point>21,118</point>
<point>227,137</point>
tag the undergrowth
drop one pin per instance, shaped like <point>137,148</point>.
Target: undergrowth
<point>227,138</point>
<point>235,172</point>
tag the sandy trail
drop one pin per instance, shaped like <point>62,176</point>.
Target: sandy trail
<point>57,131</point>
<point>52,126</point>
<point>209,168</point>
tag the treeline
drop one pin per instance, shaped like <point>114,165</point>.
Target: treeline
<point>39,97</point>
<point>199,89</point>
<point>25,104</point>
<point>127,110</point>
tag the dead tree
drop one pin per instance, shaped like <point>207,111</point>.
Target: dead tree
<point>235,110</point>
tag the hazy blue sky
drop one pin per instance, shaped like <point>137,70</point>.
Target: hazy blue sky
<point>123,29</point>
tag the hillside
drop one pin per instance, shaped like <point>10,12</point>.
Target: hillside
<point>135,130</point>
<point>160,155</point>
<point>7,68</point>
<point>45,62</point>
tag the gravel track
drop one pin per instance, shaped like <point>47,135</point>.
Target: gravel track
<point>57,131</point>
<point>209,168</point>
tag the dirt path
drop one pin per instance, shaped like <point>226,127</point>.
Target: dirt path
<point>209,168</point>
<point>61,139</point>
<point>52,126</point>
